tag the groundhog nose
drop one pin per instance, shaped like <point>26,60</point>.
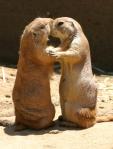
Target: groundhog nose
<point>60,23</point>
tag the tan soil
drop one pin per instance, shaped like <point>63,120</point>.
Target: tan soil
<point>98,137</point>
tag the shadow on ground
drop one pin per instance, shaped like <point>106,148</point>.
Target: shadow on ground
<point>51,130</point>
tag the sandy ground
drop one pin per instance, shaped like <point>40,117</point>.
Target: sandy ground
<point>99,136</point>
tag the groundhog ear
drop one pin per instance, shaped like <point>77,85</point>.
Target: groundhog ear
<point>72,24</point>
<point>77,26</point>
<point>34,34</point>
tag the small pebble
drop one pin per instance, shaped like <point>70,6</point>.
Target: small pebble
<point>7,96</point>
<point>110,98</point>
<point>101,107</point>
<point>12,74</point>
<point>102,100</point>
<point>54,132</point>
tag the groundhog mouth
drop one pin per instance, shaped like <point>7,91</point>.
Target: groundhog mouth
<point>53,41</point>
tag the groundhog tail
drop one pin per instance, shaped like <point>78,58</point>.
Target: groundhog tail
<point>106,118</point>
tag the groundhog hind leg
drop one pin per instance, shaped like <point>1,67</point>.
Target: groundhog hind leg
<point>45,123</point>
<point>86,117</point>
<point>18,126</point>
<point>82,118</point>
<point>41,124</point>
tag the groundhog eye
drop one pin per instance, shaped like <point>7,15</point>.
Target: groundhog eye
<point>42,27</point>
<point>60,23</point>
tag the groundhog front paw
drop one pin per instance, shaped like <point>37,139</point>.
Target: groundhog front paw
<point>49,52</point>
<point>53,51</point>
<point>48,49</point>
<point>55,54</point>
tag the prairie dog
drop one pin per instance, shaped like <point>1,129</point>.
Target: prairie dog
<point>31,93</point>
<point>78,90</point>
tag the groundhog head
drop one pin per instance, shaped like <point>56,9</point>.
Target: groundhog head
<point>34,38</point>
<point>65,27</point>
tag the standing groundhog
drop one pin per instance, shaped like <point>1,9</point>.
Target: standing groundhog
<point>31,93</point>
<point>78,90</point>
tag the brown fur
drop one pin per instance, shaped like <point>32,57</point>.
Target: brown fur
<point>31,93</point>
<point>78,90</point>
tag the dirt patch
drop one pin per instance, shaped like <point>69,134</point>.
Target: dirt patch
<point>99,136</point>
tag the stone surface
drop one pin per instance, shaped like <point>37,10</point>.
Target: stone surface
<point>99,136</point>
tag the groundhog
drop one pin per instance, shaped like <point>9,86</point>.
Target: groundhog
<point>31,93</point>
<point>78,89</point>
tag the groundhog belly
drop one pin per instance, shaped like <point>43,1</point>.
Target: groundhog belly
<point>68,89</point>
<point>32,100</point>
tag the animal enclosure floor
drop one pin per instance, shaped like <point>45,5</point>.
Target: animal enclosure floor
<point>99,136</point>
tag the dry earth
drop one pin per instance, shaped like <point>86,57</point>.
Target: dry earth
<point>99,136</point>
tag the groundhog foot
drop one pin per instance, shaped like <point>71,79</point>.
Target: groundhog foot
<point>19,127</point>
<point>68,124</point>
